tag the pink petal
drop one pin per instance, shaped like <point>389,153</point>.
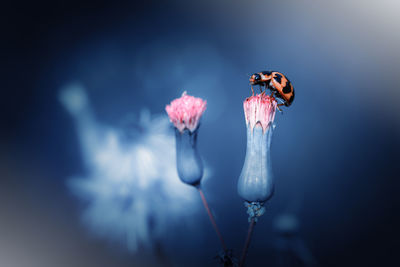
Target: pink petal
<point>185,112</point>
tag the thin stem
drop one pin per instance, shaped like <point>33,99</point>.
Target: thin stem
<point>248,239</point>
<point>162,258</point>
<point>203,198</point>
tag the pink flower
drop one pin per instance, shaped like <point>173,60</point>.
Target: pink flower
<point>185,112</point>
<point>259,109</point>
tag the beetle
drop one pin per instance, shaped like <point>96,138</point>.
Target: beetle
<point>278,83</point>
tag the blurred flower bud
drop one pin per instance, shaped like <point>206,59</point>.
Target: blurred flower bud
<point>188,161</point>
<point>185,113</point>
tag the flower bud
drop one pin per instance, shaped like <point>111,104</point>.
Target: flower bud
<point>185,113</point>
<point>256,182</point>
<point>188,161</point>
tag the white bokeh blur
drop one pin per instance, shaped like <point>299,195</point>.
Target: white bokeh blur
<point>131,187</point>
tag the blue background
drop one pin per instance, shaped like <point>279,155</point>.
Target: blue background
<point>335,150</point>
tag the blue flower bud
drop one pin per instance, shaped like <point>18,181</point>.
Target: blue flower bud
<point>188,161</point>
<point>256,181</point>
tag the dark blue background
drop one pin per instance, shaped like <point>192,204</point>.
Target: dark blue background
<point>335,150</point>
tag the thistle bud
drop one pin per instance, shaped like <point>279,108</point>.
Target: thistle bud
<point>185,113</point>
<point>256,182</point>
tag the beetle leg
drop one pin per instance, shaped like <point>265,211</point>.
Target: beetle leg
<point>272,94</point>
<point>278,107</point>
<point>269,88</point>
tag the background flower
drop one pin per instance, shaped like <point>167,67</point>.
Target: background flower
<point>132,192</point>
<point>185,112</point>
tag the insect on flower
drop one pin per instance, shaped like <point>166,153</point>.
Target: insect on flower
<point>277,83</point>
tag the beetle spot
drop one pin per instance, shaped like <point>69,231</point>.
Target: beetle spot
<point>278,77</point>
<point>291,98</point>
<point>266,72</point>
<point>287,89</point>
